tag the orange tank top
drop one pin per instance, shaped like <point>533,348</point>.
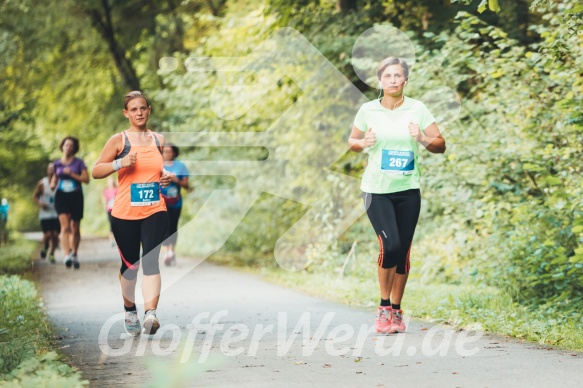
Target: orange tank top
<point>138,194</point>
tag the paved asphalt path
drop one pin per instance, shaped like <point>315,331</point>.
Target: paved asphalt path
<point>224,328</point>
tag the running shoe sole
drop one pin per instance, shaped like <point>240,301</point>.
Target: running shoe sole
<point>151,325</point>
<point>133,334</point>
<point>394,329</point>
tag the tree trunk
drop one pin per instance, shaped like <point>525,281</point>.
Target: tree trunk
<point>212,8</point>
<point>104,25</point>
<point>523,20</point>
<point>178,41</point>
<point>346,5</point>
<point>216,9</point>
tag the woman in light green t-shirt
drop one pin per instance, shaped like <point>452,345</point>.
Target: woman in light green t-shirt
<point>390,130</point>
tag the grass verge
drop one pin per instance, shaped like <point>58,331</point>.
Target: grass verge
<point>15,258</point>
<point>27,358</point>
<point>461,306</point>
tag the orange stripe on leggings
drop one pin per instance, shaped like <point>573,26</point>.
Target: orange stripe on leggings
<point>407,259</point>
<point>382,251</point>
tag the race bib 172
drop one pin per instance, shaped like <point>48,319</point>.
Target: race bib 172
<point>145,194</point>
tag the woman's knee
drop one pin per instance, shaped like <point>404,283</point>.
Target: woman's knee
<point>389,247</point>
<point>388,252</point>
<point>151,267</point>
<point>129,273</point>
<point>75,227</point>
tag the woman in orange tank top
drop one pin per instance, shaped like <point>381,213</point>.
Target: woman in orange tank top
<point>139,213</point>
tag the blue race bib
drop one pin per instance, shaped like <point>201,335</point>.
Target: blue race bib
<point>398,162</point>
<point>67,185</point>
<point>145,194</point>
<point>172,191</point>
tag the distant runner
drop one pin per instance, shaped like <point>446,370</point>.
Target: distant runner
<point>70,172</point>
<point>172,197</point>
<point>44,197</point>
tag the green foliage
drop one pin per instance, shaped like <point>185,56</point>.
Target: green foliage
<point>21,335</point>
<point>24,339</point>
<point>44,371</point>
<point>244,248</point>
<point>514,223</point>
<point>60,77</point>
<point>492,5</point>
<point>15,258</point>
<point>25,335</point>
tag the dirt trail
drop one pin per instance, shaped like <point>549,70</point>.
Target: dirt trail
<point>257,338</point>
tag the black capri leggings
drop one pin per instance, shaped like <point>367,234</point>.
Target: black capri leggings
<point>394,217</point>
<point>130,234</point>
<point>172,231</point>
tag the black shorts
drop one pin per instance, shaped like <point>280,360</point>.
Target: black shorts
<point>172,231</point>
<point>70,203</point>
<point>394,217</point>
<point>50,224</point>
<point>110,219</point>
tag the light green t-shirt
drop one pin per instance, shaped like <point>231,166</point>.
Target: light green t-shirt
<point>392,161</point>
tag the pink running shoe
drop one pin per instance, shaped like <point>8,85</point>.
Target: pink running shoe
<point>383,321</point>
<point>397,325</point>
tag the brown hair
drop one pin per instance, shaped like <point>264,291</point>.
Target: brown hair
<point>133,95</point>
<point>175,149</point>
<point>75,144</point>
<point>389,61</point>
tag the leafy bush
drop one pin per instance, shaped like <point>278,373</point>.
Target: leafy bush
<point>46,371</point>
<point>515,223</point>
<point>24,329</point>
<point>25,339</point>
